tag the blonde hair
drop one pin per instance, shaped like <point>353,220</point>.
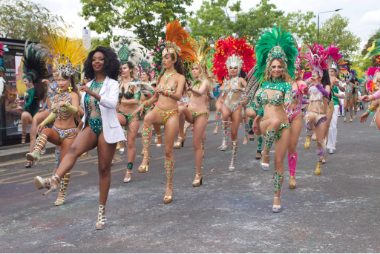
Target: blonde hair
<point>285,76</point>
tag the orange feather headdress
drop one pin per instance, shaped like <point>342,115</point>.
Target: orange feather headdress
<point>179,42</point>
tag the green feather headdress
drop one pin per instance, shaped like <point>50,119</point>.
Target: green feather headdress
<point>275,44</point>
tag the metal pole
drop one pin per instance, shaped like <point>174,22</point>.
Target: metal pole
<point>318,29</point>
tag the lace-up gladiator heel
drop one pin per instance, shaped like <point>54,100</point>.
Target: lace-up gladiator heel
<point>169,168</point>
<point>62,190</point>
<point>233,158</point>
<point>101,222</point>
<point>35,155</point>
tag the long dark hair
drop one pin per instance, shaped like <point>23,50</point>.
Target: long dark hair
<point>326,80</point>
<point>111,63</point>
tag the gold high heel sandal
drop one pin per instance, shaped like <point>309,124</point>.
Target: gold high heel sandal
<point>292,182</point>
<point>307,142</point>
<point>198,180</point>
<point>62,190</point>
<point>317,170</point>
<point>101,222</point>
<point>50,183</point>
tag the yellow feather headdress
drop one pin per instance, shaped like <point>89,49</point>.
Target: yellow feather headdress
<point>68,54</point>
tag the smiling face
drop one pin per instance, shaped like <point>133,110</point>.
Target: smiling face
<point>233,71</point>
<point>98,61</point>
<point>276,69</point>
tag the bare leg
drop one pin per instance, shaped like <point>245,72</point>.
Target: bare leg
<point>198,136</point>
<point>37,119</point>
<point>280,152</point>
<point>171,130</point>
<point>26,119</point>
<point>181,131</point>
<point>236,119</point>
<point>133,128</point>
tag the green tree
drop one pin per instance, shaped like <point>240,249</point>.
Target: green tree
<point>252,23</point>
<point>211,20</point>
<point>25,20</point>
<point>301,25</point>
<point>145,18</point>
<point>334,31</point>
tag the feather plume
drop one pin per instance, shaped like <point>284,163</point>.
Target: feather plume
<point>35,62</point>
<point>63,48</point>
<point>268,41</point>
<point>228,47</point>
<point>179,38</point>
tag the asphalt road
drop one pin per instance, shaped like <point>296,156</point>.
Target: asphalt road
<point>338,211</point>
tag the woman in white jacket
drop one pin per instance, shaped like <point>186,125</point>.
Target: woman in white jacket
<point>101,127</point>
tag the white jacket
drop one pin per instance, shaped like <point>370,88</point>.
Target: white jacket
<point>109,94</point>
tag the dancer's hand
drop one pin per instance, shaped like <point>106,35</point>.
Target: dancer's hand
<point>40,128</point>
<point>365,98</point>
<point>138,111</point>
<point>364,117</point>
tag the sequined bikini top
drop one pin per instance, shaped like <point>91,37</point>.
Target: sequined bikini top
<point>281,95</point>
<point>125,92</point>
<point>61,111</point>
<point>315,94</point>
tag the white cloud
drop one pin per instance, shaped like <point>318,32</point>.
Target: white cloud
<point>371,17</point>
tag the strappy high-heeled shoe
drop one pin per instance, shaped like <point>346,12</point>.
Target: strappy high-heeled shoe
<point>198,180</point>
<point>128,176</point>
<point>264,165</point>
<point>179,143</point>
<point>23,138</point>
<point>317,170</point>
<point>292,182</point>
<point>276,208</point>
<point>62,190</point>
<point>158,140</point>
<point>101,222</point>
<point>307,142</point>
<point>50,183</point>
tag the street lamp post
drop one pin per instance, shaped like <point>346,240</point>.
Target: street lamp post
<point>336,10</point>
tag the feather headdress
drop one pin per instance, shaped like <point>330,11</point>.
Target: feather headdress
<point>34,60</point>
<point>333,56</point>
<point>178,41</point>
<point>68,54</point>
<point>317,58</point>
<point>374,50</point>
<point>275,44</point>
<point>203,49</point>
<point>236,51</point>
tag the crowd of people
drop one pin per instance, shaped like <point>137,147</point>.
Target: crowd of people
<point>275,90</point>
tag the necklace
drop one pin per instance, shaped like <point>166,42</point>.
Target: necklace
<point>166,77</point>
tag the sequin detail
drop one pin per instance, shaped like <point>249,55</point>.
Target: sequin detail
<point>92,109</point>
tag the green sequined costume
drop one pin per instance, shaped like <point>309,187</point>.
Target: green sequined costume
<point>91,105</point>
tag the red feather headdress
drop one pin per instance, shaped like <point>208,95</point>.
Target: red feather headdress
<point>228,47</point>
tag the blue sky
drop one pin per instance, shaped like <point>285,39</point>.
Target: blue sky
<point>364,15</point>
